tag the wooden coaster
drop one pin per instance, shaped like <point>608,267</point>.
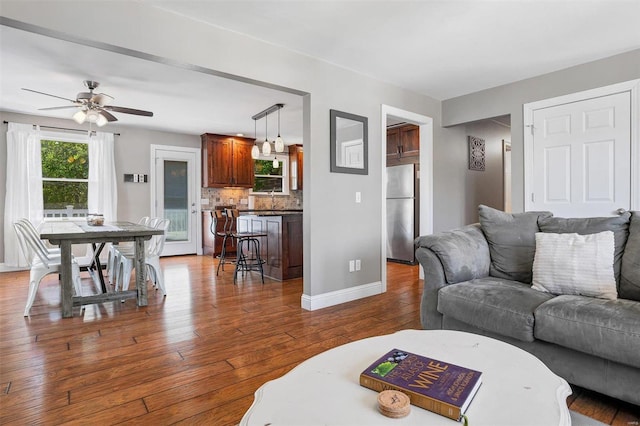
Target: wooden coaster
<point>394,404</point>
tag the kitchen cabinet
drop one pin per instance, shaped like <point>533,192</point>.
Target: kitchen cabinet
<point>281,249</point>
<point>296,156</point>
<point>226,161</point>
<point>403,144</point>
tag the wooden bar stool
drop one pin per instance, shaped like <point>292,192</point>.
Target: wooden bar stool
<point>247,249</point>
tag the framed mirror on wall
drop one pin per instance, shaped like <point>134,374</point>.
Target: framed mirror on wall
<point>349,143</point>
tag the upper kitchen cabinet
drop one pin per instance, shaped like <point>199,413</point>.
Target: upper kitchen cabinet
<point>226,161</point>
<point>295,166</point>
<point>403,144</point>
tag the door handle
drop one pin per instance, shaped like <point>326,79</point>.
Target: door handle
<point>621,211</point>
<point>194,211</point>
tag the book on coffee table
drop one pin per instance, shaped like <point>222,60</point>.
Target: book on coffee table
<point>444,388</point>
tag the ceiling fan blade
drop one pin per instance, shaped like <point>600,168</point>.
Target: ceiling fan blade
<point>108,116</point>
<point>48,94</point>
<point>128,110</point>
<point>60,107</point>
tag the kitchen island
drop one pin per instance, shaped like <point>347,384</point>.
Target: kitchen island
<point>281,249</point>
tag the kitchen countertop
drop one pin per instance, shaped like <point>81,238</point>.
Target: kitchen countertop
<point>265,212</point>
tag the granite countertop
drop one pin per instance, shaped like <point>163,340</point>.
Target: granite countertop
<point>265,212</point>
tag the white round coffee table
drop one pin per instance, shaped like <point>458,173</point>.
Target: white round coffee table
<point>517,388</point>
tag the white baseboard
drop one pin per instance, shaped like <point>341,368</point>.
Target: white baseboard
<point>324,300</point>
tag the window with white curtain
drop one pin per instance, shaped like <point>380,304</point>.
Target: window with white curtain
<point>65,174</point>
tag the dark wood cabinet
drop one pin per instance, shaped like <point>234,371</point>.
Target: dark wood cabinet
<point>403,144</point>
<point>296,156</point>
<point>281,249</point>
<point>226,161</point>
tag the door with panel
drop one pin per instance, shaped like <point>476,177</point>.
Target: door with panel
<point>582,157</point>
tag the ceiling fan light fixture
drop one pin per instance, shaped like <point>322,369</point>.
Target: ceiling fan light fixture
<point>101,121</point>
<point>80,116</point>
<point>92,116</point>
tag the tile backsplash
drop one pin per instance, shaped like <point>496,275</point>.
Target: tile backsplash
<point>240,198</point>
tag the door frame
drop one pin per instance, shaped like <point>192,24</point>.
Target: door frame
<point>632,86</point>
<point>426,177</point>
<point>198,189</point>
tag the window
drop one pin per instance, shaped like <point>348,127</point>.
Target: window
<point>65,177</point>
<point>269,178</point>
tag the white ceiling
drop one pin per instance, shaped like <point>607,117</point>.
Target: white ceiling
<point>439,48</point>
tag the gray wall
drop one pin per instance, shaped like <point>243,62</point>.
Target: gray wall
<point>336,228</point>
<point>132,151</point>
<point>509,99</point>
<point>458,190</point>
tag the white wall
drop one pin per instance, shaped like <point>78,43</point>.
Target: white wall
<point>336,229</point>
<point>509,99</point>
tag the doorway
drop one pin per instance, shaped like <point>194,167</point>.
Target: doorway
<point>175,174</point>
<point>392,115</point>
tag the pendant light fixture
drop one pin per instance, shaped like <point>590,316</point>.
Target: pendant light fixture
<point>255,151</point>
<point>279,143</point>
<point>276,163</point>
<point>266,146</point>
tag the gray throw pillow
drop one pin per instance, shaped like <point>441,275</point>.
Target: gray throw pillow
<point>630,269</point>
<point>512,241</point>
<point>619,225</point>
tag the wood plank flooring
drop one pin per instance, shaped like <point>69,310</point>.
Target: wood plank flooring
<point>194,357</point>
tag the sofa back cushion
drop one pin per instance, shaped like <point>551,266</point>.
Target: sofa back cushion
<point>619,225</point>
<point>512,241</point>
<point>630,267</point>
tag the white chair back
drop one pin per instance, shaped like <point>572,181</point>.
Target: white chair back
<point>30,244</point>
<point>144,220</point>
<point>156,244</point>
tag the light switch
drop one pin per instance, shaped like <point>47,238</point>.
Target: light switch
<point>358,197</point>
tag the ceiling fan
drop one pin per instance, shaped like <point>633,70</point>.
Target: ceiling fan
<point>93,107</point>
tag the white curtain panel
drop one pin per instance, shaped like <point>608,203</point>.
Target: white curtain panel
<point>103,194</point>
<point>24,186</point>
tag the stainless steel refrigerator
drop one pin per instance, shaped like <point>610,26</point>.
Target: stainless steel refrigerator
<point>402,212</point>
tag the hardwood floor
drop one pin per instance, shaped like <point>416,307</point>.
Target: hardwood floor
<point>194,357</point>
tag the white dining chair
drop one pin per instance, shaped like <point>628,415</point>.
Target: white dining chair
<point>30,227</point>
<point>153,249</point>
<point>41,262</point>
<point>112,258</point>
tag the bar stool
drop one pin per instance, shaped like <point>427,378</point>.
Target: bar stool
<point>218,216</point>
<point>249,260</point>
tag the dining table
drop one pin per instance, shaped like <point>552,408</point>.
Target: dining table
<point>65,233</point>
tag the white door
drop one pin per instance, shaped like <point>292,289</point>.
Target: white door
<point>582,157</point>
<point>174,196</point>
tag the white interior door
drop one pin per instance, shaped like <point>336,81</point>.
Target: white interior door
<point>175,195</point>
<point>582,157</point>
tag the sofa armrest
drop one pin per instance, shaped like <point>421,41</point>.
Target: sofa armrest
<point>447,258</point>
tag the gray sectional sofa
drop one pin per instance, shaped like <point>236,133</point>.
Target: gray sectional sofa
<point>478,279</point>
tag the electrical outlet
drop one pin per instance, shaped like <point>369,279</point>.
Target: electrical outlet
<point>352,265</point>
<point>358,264</point>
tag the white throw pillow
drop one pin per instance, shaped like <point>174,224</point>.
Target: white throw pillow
<point>575,264</point>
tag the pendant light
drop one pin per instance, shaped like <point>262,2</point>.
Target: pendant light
<point>255,151</point>
<point>279,141</point>
<point>266,146</point>
<point>276,163</point>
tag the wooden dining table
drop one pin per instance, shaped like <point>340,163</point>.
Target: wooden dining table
<point>65,233</point>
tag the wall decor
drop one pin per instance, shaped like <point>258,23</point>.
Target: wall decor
<point>476,153</point>
<point>349,143</point>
